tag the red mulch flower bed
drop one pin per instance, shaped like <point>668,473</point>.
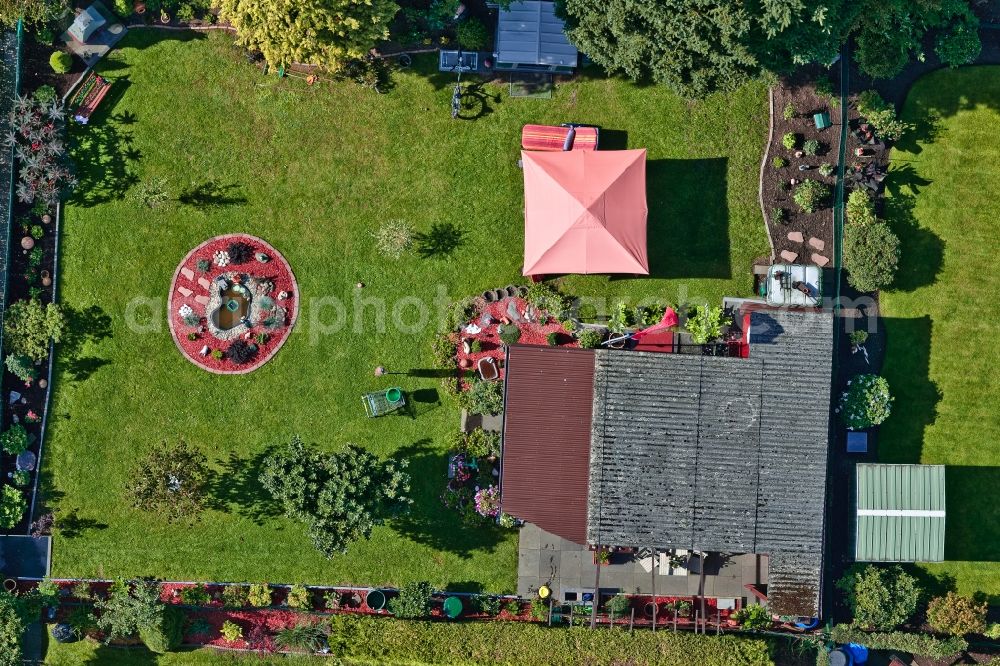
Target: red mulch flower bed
<point>532,333</point>
<point>276,270</point>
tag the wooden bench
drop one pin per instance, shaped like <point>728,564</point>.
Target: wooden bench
<point>91,93</point>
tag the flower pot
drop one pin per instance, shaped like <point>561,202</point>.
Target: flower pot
<point>375,600</point>
<point>164,18</point>
<point>27,242</point>
<point>46,279</point>
<point>42,383</point>
<point>649,609</point>
<point>46,219</point>
<point>139,7</point>
<point>10,585</point>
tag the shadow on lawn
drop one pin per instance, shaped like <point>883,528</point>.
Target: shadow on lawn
<point>688,227</point>
<point>91,324</point>
<point>972,526</point>
<point>236,488</point>
<point>921,251</point>
<point>210,195</point>
<point>428,521</point>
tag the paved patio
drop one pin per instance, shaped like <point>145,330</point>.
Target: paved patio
<point>567,567</point>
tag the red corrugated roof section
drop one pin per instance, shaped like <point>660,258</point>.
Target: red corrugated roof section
<point>546,444</point>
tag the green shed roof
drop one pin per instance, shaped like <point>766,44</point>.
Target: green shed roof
<point>900,513</point>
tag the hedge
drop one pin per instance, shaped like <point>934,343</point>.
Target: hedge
<point>385,640</point>
<point>917,644</point>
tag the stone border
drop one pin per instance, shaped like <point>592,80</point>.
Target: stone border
<point>293,314</point>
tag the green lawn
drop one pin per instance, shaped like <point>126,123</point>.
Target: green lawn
<point>314,171</point>
<point>942,359</point>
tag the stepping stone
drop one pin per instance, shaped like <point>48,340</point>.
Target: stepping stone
<point>819,259</point>
<point>204,283</point>
<point>201,299</point>
<point>184,291</point>
<point>188,273</point>
<point>789,256</point>
<point>817,244</point>
<point>795,236</point>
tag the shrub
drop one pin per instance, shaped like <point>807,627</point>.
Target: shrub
<point>217,354</point>
<point>590,338</point>
<point>61,62</point>
<point>619,603</point>
<point>510,333</point>
<point>203,265</point>
<point>552,339</point>
<point>28,328</point>
<point>779,162</point>
<point>196,595</point>
<point>21,478</point>
<point>546,298</point>
<point>124,8</point>
<point>916,644</point>
<point>191,319</point>
<point>480,443</point>
<point>231,631</point>
<point>790,140</point>
<point>539,609</point>
<point>235,596</point>
<point>165,634</point>
<point>810,147</point>
<point>12,507</point>
<point>15,439</point>
<point>83,621</point>
<point>261,339</point>
<point>858,337</point>
<point>487,604</point>
<point>298,597</point>
<point>753,617</point>
<point>587,312</point>
<point>414,601</point>
<point>63,633</point>
<point>705,324</point>
<point>483,398</point>
<point>784,185</point>
<point>871,255</point>
<point>810,194</point>
<point>45,94</point>
<point>259,595</point>
<point>307,636</point>
<point>789,111</point>
<point>866,402</point>
<point>860,207</point>
<point>826,169</point>
<point>170,480</point>
<point>881,115</point>
<point>82,591</point>
<point>476,346</point>
<point>130,608</point>
<point>779,216</point>
<point>993,631</point>
<point>241,352</point>
<point>12,627</point>
<point>393,238</point>
<point>824,87</point>
<point>956,614</point>
<point>472,34</point>
<point>880,597</point>
<point>239,252</point>
<point>21,367</point>
<point>185,13</point>
<point>959,46</point>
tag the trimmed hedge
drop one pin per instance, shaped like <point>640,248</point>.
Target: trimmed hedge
<point>384,640</point>
<point>918,644</point>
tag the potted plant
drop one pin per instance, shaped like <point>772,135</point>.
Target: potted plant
<point>602,556</point>
<point>164,17</point>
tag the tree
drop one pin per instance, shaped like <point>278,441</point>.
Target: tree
<point>131,607</point>
<point>866,402</point>
<point>12,627</point>
<point>170,480</point>
<point>28,328</point>
<point>341,496</point>
<point>880,597</point>
<point>958,615</point>
<point>32,11</point>
<point>960,45</point>
<point>871,255</point>
<point>328,33</point>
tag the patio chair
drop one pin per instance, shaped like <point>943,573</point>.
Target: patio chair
<point>380,403</point>
<point>488,370</point>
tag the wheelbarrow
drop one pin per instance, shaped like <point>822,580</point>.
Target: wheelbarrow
<point>380,403</point>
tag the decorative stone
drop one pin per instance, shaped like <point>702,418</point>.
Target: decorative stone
<point>27,242</point>
<point>188,273</point>
<point>185,310</point>
<point>43,383</point>
<point>205,284</point>
<point>819,260</point>
<point>360,285</point>
<point>789,256</point>
<point>14,397</point>
<point>817,244</point>
<point>795,236</point>
<point>184,291</point>
<point>46,219</point>
<point>262,257</point>
<point>464,363</point>
<point>46,279</point>
<point>283,295</point>
<point>204,351</point>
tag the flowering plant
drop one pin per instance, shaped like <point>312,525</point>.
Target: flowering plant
<point>221,258</point>
<point>865,403</point>
<point>488,501</point>
<point>32,417</point>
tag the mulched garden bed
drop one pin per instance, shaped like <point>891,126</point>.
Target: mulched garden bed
<point>777,187</point>
<point>194,283</point>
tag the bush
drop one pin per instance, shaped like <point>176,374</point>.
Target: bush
<point>393,238</point>
<point>298,597</point>
<point>124,8</point>
<point>472,34</point>
<point>552,339</point>
<point>482,397</point>
<point>45,94</point>
<point>185,13</point>
<point>753,617</point>
<point>779,162</point>
<point>539,609</point>
<point>217,354</point>
<point>21,367</point>
<point>959,46</point>
<point>487,604</point>
<point>241,352</point>
<point>810,147</point>
<point>865,403</point>
<point>705,324</point>
<point>790,140</point>
<point>414,601</point>
<point>12,507</point>
<point>881,115</point>
<point>858,338</point>
<point>239,252</point>
<point>259,595</point>
<point>789,111</point>
<point>826,169</point>
<point>61,62</point>
<point>590,338</point>
<point>810,194</point>
<point>916,644</point>
<point>993,631</point>
<point>510,333</point>
<point>871,255</point>
<point>880,597</point>
<point>779,216</point>
<point>165,635</point>
<point>203,265</point>
<point>546,298</point>
<point>196,595</point>
<point>28,328</point>
<point>235,596</point>
<point>15,439</point>
<point>617,605</point>
<point>860,207</point>
<point>132,606</point>
<point>956,614</point>
<point>231,631</point>
<point>306,636</point>
<point>12,627</point>
<point>480,443</point>
<point>21,478</point>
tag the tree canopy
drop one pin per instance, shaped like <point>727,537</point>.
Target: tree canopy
<point>32,11</point>
<point>29,326</point>
<point>328,33</point>
<point>880,597</point>
<point>342,496</point>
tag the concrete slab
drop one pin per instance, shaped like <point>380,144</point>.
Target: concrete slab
<point>528,536</point>
<point>817,244</point>
<point>789,256</point>
<point>527,563</point>
<point>795,236</point>
<point>819,260</point>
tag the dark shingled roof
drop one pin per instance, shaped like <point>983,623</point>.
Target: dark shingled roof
<point>720,454</point>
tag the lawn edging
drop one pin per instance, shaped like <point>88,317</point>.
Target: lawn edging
<point>763,167</point>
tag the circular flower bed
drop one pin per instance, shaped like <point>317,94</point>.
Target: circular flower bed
<point>233,301</point>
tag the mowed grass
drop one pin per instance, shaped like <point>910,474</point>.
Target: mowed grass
<point>942,359</point>
<point>314,171</point>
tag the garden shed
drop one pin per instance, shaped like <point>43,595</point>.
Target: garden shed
<point>585,212</point>
<point>900,513</point>
<point>86,24</point>
<point>531,38</point>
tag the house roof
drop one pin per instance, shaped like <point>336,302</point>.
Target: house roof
<point>585,212</point>
<point>530,33</point>
<point>900,513</point>
<point>546,442</point>
<point>717,454</point>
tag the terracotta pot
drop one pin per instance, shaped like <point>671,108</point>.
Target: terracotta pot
<point>464,363</point>
<point>42,383</point>
<point>46,219</point>
<point>27,242</point>
<point>139,7</point>
<point>46,279</point>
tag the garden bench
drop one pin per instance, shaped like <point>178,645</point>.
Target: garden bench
<point>88,98</point>
<point>551,138</point>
